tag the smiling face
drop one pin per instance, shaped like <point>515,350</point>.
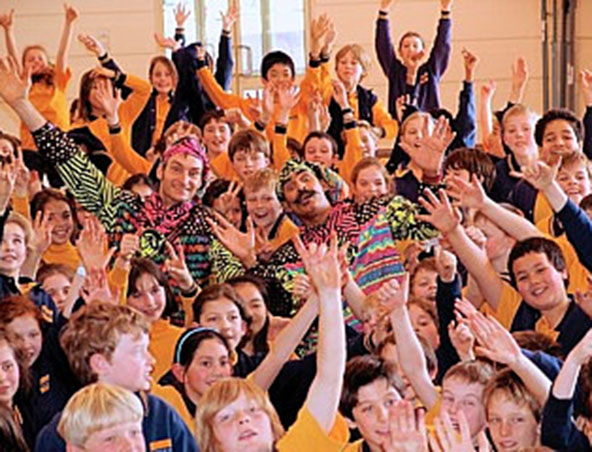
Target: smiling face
<point>278,76</point>
<point>210,363</point>
<point>370,183</point>
<point>148,297</point>
<point>424,284</point>
<point>410,49</point>
<point>180,178</point>
<point>247,162</point>
<point>540,284</point>
<point>574,180</point>
<point>424,325</point>
<point>13,250</point>
<point>59,216</point>
<point>518,135</point>
<point>243,425</point>
<point>254,306</point>
<point>161,78</point>
<point>459,395</point>
<point>216,136</point>
<point>349,70</point>
<point>319,151</point>
<point>9,374</point>
<point>305,196</point>
<point>513,427</point>
<point>559,139</point>
<point>373,410</point>
<point>35,60</point>
<point>412,131</point>
<point>25,333</point>
<point>224,316</point>
<point>263,206</point>
<point>368,142</point>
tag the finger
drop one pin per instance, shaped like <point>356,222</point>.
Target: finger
<point>171,250</point>
<point>109,256</point>
<point>465,432</point>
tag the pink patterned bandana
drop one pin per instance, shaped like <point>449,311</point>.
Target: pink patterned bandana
<point>188,146</point>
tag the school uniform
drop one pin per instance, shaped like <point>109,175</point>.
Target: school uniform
<point>427,94</point>
<point>163,428</point>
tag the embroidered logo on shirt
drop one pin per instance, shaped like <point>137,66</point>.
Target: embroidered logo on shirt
<point>163,445</point>
<point>44,384</point>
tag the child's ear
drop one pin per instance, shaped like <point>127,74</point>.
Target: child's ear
<point>178,372</point>
<point>98,363</point>
<point>160,171</point>
<point>244,327</point>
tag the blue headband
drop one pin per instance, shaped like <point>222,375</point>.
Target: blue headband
<point>186,335</point>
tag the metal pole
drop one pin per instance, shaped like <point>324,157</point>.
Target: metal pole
<point>545,56</point>
<point>554,58</point>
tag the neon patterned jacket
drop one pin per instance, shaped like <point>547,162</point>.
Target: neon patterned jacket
<point>371,229</point>
<point>122,211</point>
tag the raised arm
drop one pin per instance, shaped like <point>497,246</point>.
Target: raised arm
<point>383,44</point>
<point>225,62</point>
<point>440,54</point>
<point>466,121</point>
<point>519,81</point>
<point>411,356</point>
<point>7,23</point>
<point>70,16</point>
<point>447,221</point>
<point>322,266</point>
<point>586,88</point>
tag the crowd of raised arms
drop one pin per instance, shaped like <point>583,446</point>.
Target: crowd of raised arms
<point>186,269</point>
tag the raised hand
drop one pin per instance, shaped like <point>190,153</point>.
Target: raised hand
<point>385,4</point>
<point>229,19</point>
<point>318,28</point>
<point>393,294</point>
<point>236,116</point>
<point>128,246</point>
<point>7,19</point>
<point>303,288</point>
<point>288,98</point>
<point>470,195</point>
<point>96,288</point>
<point>91,44</point>
<point>586,83</point>
<point>108,101</point>
<point>14,87</point>
<point>582,352</point>
<point>340,93</point>
<point>445,264</point>
<point>330,37</point>
<point>495,342</point>
<point>539,174</point>
<point>166,43</point>
<point>321,263</point>
<point>447,439</point>
<point>8,176</point>
<point>42,229</point>
<point>433,144</point>
<point>71,13</point>
<point>228,198</point>
<point>519,73</point>
<point>241,244</point>
<point>176,266</point>
<point>401,105</point>
<point>470,61</point>
<point>92,245</point>
<point>488,90</point>
<point>22,173</point>
<point>584,299</point>
<point>407,431</point>
<point>445,5</point>
<point>477,236</point>
<point>267,103</point>
<point>462,338</point>
<point>181,14</point>
<point>440,213</point>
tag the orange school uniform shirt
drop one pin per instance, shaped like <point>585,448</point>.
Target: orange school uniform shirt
<point>51,101</point>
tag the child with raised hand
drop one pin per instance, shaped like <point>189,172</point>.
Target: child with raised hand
<point>103,417</point>
<point>50,82</point>
<point>230,405</point>
<point>410,75</point>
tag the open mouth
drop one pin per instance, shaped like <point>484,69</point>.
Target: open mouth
<point>247,435</point>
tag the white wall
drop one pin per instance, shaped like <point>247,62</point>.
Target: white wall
<point>497,30</point>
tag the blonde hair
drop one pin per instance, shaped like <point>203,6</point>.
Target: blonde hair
<point>95,408</point>
<point>97,328</point>
<point>576,158</point>
<point>22,222</point>
<point>411,117</point>
<point>264,178</point>
<point>359,54</point>
<point>519,110</point>
<point>220,395</point>
<point>369,162</point>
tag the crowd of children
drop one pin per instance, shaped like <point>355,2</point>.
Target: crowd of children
<point>185,269</point>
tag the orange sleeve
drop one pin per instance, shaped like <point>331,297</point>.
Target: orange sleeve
<point>21,205</point>
<point>281,154</point>
<point>507,307</point>
<point>61,79</point>
<point>382,118</point>
<point>135,103</point>
<point>220,97</point>
<point>352,155</point>
<point>117,279</point>
<point>129,159</point>
<point>222,167</point>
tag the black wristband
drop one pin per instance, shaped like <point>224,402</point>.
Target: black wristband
<point>114,129</point>
<point>192,292</point>
<point>382,13</point>
<point>260,126</point>
<point>281,128</point>
<point>345,111</point>
<point>325,58</point>
<point>350,125</point>
<point>445,14</point>
<point>104,57</point>
<point>314,62</point>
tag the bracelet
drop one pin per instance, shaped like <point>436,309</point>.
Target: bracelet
<point>281,129</point>
<point>445,13</point>
<point>260,126</point>
<point>226,33</point>
<point>191,292</point>
<point>104,57</point>
<point>325,58</point>
<point>179,29</point>
<point>345,111</point>
<point>115,128</point>
<point>382,13</point>
<point>350,125</point>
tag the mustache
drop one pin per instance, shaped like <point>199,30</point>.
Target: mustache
<point>304,193</point>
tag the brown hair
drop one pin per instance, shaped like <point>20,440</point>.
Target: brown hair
<point>472,372</point>
<point>51,194</point>
<point>169,65</point>
<point>220,395</point>
<point>24,223</point>
<point>248,140</point>
<point>11,433</point>
<point>535,341</point>
<point>14,141</point>
<point>411,34</point>
<point>214,292</point>
<point>48,270</point>
<point>86,83</point>
<point>428,351</point>
<point>476,162</point>
<point>21,361</point>
<point>508,384</point>
<point>576,158</point>
<point>264,178</point>
<point>17,306</point>
<point>97,328</point>
<point>426,306</point>
<point>368,162</point>
<point>359,54</point>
